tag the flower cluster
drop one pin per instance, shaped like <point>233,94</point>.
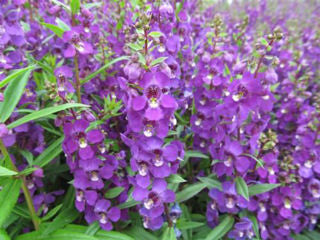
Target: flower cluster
<point>174,94</point>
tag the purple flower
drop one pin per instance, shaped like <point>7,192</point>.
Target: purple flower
<point>106,214</point>
<point>155,98</point>
<point>3,130</point>
<point>242,230</point>
<point>78,140</point>
<point>153,199</point>
<point>227,200</point>
<point>62,74</point>
<point>75,44</point>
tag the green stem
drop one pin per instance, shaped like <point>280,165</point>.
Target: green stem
<point>78,83</point>
<point>166,208</point>
<point>25,189</point>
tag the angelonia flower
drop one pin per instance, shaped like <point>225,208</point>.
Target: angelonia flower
<point>235,86</point>
<point>242,230</point>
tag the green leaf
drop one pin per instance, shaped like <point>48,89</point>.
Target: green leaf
<point>57,30</point>
<point>43,113</point>
<point>222,229</point>
<point>61,234</point>
<point>313,235</point>
<point>261,188</point>
<point>114,192</point>
<point>242,187</point>
<point>52,212</point>
<point>22,211</point>
<point>195,154</point>
<point>190,191</point>
<point>6,172</point>
<point>49,154</point>
<point>112,235</point>
<point>255,225</point>
<point>12,94</point>
<point>8,198</point>
<point>28,156</point>
<point>135,46</point>
<point>64,218</point>
<point>210,183</point>
<point>260,162</point>
<point>4,235</point>
<point>300,237</point>
<point>100,70</point>
<point>61,4</point>
<point>27,171</point>
<point>14,75</point>
<point>184,225</point>
<point>274,87</point>
<point>175,178</point>
<point>75,6</point>
<point>264,42</point>
<point>92,229</point>
<point>142,59</point>
<point>129,203</point>
<point>158,60</point>
<point>62,24</point>
<point>138,232</point>
<point>155,34</point>
<point>91,5</point>
<point>169,234</point>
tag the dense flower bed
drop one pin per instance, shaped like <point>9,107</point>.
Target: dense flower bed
<point>167,120</point>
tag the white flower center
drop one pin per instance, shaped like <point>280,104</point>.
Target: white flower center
<point>236,97</point>
<point>198,122</point>
<point>148,204</point>
<point>83,143</point>
<point>94,176</point>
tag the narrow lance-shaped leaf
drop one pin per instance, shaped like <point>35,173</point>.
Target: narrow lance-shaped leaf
<point>12,95</point>
<point>50,153</point>
<point>175,178</point>
<point>61,234</point>
<point>255,225</point>
<point>62,24</point>
<point>114,192</point>
<point>43,113</point>
<point>14,75</point>
<point>6,172</point>
<point>64,218</point>
<point>57,30</point>
<point>4,235</point>
<point>57,2</point>
<point>112,235</point>
<point>100,70</point>
<point>75,6</point>
<point>222,229</point>
<point>137,232</point>
<point>189,154</point>
<point>261,188</point>
<point>184,225</point>
<point>155,34</point>
<point>189,192</point>
<point>169,234</point>
<point>158,60</point>
<point>93,228</point>
<point>12,189</point>
<point>242,187</point>
<point>211,183</point>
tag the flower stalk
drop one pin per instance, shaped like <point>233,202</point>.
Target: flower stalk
<point>78,83</point>
<point>25,189</point>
